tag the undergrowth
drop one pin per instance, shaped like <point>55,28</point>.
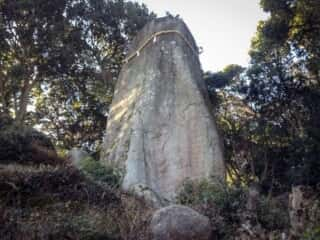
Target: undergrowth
<point>63,202</point>
<point>98,172</point>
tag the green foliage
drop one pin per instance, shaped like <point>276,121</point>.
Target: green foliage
<point>273,215</point>
<point>226,207</point>
<point>282,82</point>
<point>14,145</point>
<point>99,172</point>
<point>270,115</point>
<point>25,145</point>
<point>226,198</point>
<point>51,184</point>
<point>62,203</point>
<point>311,234</point>
<point>64,57</point>
<point>220,202</point>
<point>223,78</point>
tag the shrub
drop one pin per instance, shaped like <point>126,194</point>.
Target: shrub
<point>227,198</point>
<point>219,202</point>
<point>312,234</point>
<point>37,187</point>
<point>25,145</point>
<point>54,203</point>
<point>47,202</point>
<point>98,172</point>
<point>272,214</point>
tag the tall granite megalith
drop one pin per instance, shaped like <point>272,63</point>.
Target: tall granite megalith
<point>160,129</point>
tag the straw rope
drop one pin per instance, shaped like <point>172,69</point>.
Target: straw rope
<point>154,38</point>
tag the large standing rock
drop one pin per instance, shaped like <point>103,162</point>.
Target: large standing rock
<point>160,128</point>
<point>179,223</point>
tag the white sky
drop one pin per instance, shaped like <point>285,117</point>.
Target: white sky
<point>223,28</point>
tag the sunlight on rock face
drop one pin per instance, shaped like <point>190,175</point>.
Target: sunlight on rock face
<point>160,130</point>
<point>120,109</point>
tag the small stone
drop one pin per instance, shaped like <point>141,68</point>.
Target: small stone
<point>147,194</point>
<point>76,155</point>
<point>178,222</point>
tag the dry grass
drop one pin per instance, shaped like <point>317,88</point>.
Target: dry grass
<point>59,202</point>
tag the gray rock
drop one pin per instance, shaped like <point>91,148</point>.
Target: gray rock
<point>160,129</point>
<point>76,155</point>
<point>148,194</point>
<point>179,223</point>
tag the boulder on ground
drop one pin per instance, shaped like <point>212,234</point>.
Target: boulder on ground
<point>178,222</point>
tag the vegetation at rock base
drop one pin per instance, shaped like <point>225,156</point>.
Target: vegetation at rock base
<point>48,202</point>
<point>234,214</point>
<point>98,172</point>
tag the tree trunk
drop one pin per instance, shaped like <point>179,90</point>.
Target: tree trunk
<point>23,102</point>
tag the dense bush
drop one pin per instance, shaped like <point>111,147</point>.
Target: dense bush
<point>228,209</point>
<point>30,187</point>
<point>220,202</point>
<point>25,145</point>
<point>99,172</point>
<point>223,196</point>
<point>46,202</point>
<point>272,214</point>
<point>312,234</point>
<point>43,197</point>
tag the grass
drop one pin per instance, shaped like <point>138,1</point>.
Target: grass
<point>61,202</point>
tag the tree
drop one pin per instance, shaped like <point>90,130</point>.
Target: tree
<point>222,80</point>
<point>33,36</point>
<point>62,58</point>
<point>283,78</point>
<point>270,116</point>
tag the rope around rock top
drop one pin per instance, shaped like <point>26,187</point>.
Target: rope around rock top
<point>154,38</point>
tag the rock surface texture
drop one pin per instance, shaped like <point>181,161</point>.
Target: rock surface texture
<point>160,128</point>
<point>179,223</point>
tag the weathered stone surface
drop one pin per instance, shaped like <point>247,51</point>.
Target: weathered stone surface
<point>160,129</point>
<point>76,155</point>
<point>179,223</point>
<point>148,195</point>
